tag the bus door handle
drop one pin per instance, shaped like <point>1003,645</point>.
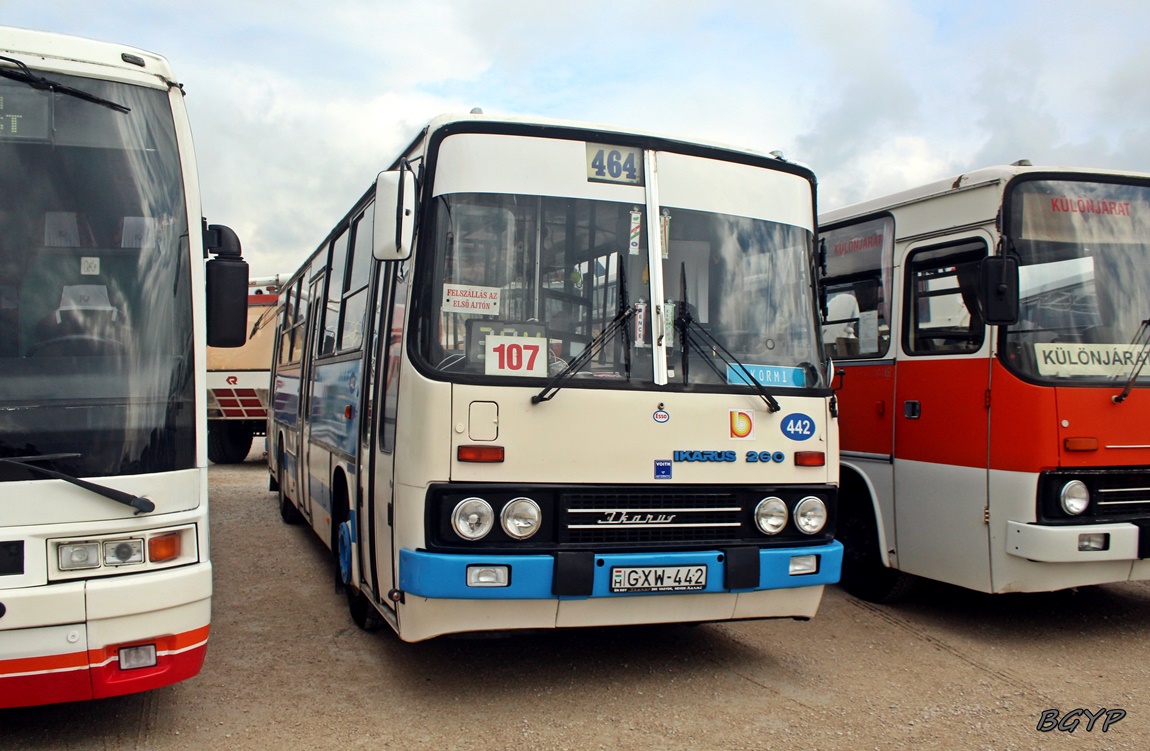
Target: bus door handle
<point>911,409</point>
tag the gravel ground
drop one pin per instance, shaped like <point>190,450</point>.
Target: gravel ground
<point>287,669</point>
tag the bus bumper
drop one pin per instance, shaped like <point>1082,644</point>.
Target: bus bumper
<point>50,654</point>
<point>1083,543</point>
<point>438,600</point>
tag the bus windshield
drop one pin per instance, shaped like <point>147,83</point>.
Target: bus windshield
<point>522,284</point>
<point>96,335</point>
<point>1084,251</point>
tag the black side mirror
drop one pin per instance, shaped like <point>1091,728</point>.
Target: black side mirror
<point>227,288</point>
<point>999,290</point>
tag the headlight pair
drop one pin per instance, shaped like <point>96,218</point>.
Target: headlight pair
<point>810,515</point>
<point>473,518</point>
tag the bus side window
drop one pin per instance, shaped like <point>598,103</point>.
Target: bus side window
<point>942,311</point>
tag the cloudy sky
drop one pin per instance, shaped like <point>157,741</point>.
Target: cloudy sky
<point>296,105</point>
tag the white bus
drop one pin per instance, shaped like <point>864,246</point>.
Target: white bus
<point>992,331</point>
<point>105,581</point>
<point>238,379</point>
<point>549,375</point>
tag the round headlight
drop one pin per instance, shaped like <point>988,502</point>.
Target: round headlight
<point>771,515</point>
<point>472,518</point>
<point>520,518</point>
<point>810,515</point>
<point>1074,497</point>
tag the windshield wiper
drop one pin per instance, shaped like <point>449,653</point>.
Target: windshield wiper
<point>692,334</point>
<point>618,324</point>
<point>1141,340</point>
<point>141,504</point>
<point>24,75</point>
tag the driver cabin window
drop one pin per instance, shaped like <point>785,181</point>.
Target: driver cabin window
<point>943,315</point>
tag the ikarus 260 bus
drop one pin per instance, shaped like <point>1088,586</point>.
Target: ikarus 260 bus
<point>548,375</point>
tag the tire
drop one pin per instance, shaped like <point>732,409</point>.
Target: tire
<point>288,511</point>
<point>229,442</point>
<point>362,612</point>
<point>864,574</point>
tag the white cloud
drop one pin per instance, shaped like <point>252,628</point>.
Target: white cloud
<point>297,105</point>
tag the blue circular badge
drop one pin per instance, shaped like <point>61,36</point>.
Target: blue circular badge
<point>661,416</point>
<point>797,426</point>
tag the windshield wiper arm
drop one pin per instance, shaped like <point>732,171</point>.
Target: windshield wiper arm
<point>688,327</point>
<point>24,75</point>
<point>141,504</point>
<point>1142,340</point>
<point>618,323</point>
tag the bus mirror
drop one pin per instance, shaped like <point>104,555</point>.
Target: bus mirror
<point>394,215</point>
<point>1000,290</point>
<point>227,289</point>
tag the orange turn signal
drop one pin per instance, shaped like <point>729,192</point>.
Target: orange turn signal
<point>164,548</point>
<point>1081,444</point>
<point>479,453</point>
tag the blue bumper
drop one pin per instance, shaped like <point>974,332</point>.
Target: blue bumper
<point>439,575</point>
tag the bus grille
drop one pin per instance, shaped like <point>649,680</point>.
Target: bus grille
<point>603,518</point>
<point>1123,494</point>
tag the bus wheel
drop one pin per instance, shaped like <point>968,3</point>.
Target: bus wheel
<point>288,511</point>
<point>864,575</point>
<point>229,442</point>
<point>358,606</point>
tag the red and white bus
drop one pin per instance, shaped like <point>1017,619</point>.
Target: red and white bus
<point>991,329</point>
<point>105,580</point>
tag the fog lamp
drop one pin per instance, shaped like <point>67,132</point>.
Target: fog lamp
<point>1094,541</point>
<point>804,564</point>
<point>143,656</point>
<point>488,576</point>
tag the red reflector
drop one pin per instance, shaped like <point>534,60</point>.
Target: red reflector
<point>810,458</point>
<point>479,453</point>
<point>1081,444</point>
<point>246,392</point>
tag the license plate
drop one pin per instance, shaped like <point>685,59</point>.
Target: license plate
<point>658,578</point>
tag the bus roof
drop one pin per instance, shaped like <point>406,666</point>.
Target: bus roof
<point>445,120</point>
<point>966,181</point>
<point>75,54</point>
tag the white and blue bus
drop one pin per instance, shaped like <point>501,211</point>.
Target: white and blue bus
<point>547,375</point>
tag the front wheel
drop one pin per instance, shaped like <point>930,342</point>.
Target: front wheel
<point>358,606</point>
<point>864,574</point>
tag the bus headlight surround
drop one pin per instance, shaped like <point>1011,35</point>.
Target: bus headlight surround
<point>472,518</point>
<point>521,518</point>
<point>771,515</point>
<point>810,515</point>
<point>1074,498</point>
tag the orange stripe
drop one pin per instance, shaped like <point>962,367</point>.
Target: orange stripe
<point>72,660</point>
<point>76,660</point>
<point>164,644</point>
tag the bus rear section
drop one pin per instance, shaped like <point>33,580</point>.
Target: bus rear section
<point>992,332</point>
<point>531,441</point>
<point>105,579</point>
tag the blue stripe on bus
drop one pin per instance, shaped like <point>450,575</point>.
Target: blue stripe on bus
<point>443,575</point>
